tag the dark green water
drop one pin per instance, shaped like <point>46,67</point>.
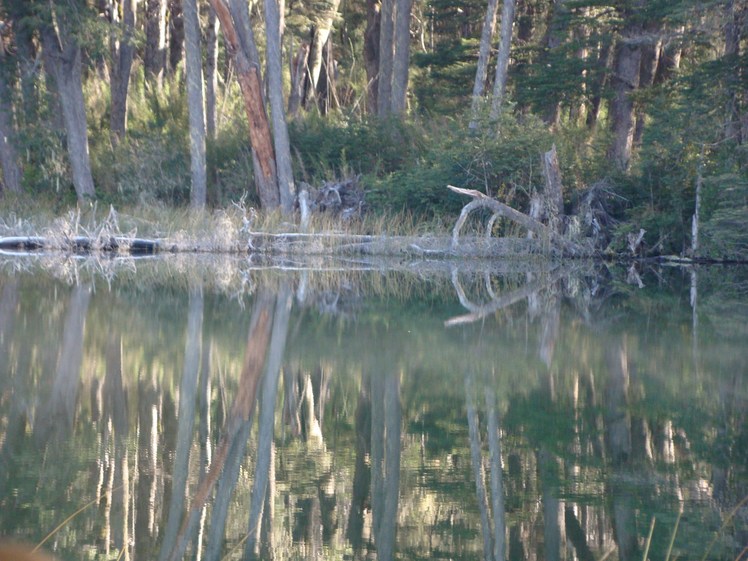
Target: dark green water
<point>183,409</point>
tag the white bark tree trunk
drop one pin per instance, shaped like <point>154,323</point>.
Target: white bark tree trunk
<point>502,62</point>
<point>286,188</point>
<point>195,105</point>
<point>484,52</point>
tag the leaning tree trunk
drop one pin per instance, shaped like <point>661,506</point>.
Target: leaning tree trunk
<point>194,69</point>
<point>320,36</point>
<point>371,54</point>
<point>122,51</point>
<point>275,93</point>
<point>386,56</point>
<point>481,73</point>
<point>11,179</point>
<point>248,76</point>
<point>502,62</point>
<point>401,56</point>
<point>64,59</point>
<point>154,59</point>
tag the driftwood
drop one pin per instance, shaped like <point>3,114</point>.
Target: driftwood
<point>343,198</point>
<point>81,243</point>
<point>499,209</point>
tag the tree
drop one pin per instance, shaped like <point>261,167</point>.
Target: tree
<point>11,179</point>
<point>625,80</point>
<point>248,76</point>
<point>275,92</point>
<point>401,55</point>
<point>62,54</point>
<point>154,59</point>
<point>193,57</point>
<point>386,57</point>
<point>481,72</point>
<point>320,34</point>
<point>122,51</point>
<point>735,14</point>
<point>211,74</point>
<point>502,62</point>
<point>371,54</point>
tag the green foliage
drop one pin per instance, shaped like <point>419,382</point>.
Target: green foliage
<point>725,227</point>
<point>329,146</point>
<point>442,80</point>
<point>504,165</point>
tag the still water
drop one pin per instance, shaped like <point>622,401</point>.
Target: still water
<point>191,409</point>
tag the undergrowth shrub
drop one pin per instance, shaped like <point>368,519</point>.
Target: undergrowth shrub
<point>504,165</point>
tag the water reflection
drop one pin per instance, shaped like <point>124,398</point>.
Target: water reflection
<point>537,414</point>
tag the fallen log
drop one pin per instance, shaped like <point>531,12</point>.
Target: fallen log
<point>82,244</point>
<point>481,200</point>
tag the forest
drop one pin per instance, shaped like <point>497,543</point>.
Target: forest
<point>199,104</point>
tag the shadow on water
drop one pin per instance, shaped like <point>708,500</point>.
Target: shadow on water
<point>286,410</point>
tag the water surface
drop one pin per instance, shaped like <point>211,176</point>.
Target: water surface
<point>187,409</point>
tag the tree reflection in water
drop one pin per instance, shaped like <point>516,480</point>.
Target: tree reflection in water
<point>555,416</point>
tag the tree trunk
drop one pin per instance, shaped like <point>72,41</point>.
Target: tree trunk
<point>371,54</point>
<point>11,178</point>
<point>122,51</point>
<point>211,72</point>
<point>298,79</point>
<point>154,60</point>
<point>248,76</point>
<point>598,82</point>
<point>64,59</point>
<point>386,58</point>
<point>732,56</point>
<point>626,75</point>
<point>401,56</point>
<point>320,35</point>
<point>20,14</point>
<point>286,189</point>
<point>553,190</point>
<point>669,59</point>
<point>554,38</point>
<point>481,73</point>
<point>176,34</point>
<point>647,72</point>
<point>194,71</point>
<point>502,62</point>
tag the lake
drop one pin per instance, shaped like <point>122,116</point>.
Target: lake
<point>217,408</point>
